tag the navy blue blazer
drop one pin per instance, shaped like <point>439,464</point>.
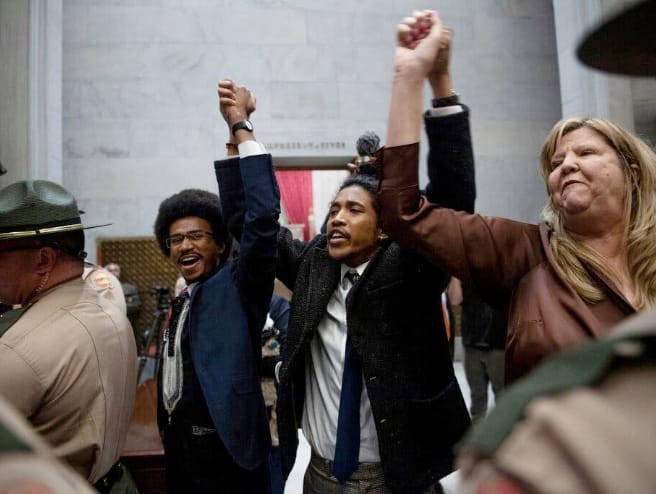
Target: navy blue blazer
<point>227,314</point>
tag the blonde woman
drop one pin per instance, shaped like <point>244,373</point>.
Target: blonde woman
<point>590,264</point>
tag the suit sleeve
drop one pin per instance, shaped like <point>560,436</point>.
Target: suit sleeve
<point>256,263</point>
<point>231,194</point>
<point>492,252</point>
<point>451,172</point>
<point>450,164</point>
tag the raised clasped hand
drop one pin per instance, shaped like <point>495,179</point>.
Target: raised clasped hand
<point>235,102</point>
<point>419,39</point>
<point>441,62</point>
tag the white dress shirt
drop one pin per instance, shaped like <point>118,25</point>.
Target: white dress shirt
<point>324,367</point>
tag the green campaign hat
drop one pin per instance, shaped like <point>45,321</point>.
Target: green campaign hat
<point>37,207</point>
<point>625,43</point>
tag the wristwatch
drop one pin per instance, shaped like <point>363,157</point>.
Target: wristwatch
<point>244,124</point>
<point>451,100</point>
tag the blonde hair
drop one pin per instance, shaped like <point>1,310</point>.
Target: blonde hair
<point>572,257</point>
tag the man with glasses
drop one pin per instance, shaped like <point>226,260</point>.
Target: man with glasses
<point>211,413</point>
<point>68,354</point>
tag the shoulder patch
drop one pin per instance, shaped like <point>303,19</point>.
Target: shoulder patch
<point>100,281</point>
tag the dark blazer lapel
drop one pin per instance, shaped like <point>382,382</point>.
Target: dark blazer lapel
<point>381,270</point>
<point>323,277</point>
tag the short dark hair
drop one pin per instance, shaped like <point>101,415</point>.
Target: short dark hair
<point>192,202</point>
<point>70,243</point>
<point>368,183</point>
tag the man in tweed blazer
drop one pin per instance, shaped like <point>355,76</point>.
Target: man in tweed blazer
<point>411,409</point>
<point>416,412</point>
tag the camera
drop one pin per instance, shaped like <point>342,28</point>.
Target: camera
<point>163,296</point>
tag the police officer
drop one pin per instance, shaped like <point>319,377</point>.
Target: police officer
<point>68,354</point>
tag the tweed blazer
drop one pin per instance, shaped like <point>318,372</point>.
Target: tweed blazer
<point>394,317</point>
<point>394,320</point>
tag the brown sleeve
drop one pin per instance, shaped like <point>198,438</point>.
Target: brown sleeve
<point>492,252</point>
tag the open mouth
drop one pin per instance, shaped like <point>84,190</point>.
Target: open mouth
<point>188,261</point>
<point>336,237</point>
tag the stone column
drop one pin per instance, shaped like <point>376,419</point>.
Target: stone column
<point>585,91</point>
<point>31,89</point>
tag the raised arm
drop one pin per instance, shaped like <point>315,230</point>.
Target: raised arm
<point>228,175</point>
<point>420,39</point>
<point>450,154</point>
<point>494,253</point>
<point>261,199</point>
<point>231,191</point>
<point>418,42</point>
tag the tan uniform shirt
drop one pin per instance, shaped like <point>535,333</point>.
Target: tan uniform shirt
<point>69,366</point>
<point>589,439</point>
<point>597,440</point>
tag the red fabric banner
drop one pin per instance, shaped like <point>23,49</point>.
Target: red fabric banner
<point>296,196</point>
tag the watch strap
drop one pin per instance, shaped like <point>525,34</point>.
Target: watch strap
<point>453,99</point>
<point>243,124</point>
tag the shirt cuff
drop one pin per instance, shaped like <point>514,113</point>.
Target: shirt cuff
<point>444,111</point>
<point>251,148</point>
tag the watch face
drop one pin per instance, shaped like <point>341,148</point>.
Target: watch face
<point>244,124</point>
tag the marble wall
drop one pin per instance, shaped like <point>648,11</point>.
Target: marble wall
<point>140,111</point>
<point>585,91</point>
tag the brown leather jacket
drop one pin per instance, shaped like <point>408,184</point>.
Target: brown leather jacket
<point>510,263</point>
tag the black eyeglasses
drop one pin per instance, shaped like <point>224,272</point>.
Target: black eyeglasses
<point>194,237</point>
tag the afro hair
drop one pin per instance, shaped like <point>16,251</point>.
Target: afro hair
<point>192,202</point>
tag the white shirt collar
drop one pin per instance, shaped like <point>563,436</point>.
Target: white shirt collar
<point>191,286</point>
<point>359,269</point>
